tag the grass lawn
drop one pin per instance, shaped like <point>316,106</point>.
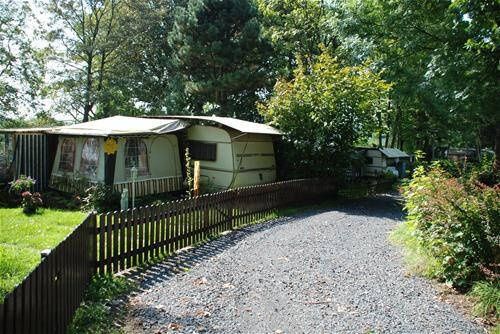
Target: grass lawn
<point>22,238</point>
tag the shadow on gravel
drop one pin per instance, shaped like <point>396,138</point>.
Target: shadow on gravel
<point>146,277</point>
<point>382,206</point>
<point>388,205</point>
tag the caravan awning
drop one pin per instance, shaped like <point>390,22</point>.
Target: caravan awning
<point>233,123</point>
<point>121,126</point>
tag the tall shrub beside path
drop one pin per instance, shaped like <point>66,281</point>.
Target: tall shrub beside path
<point>457,222</point>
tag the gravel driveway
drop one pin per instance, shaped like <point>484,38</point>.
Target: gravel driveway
<point>328,271</point>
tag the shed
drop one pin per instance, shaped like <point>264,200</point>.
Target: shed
<point>379,161</point>
<point>232,152</point>
<point>26,152</point>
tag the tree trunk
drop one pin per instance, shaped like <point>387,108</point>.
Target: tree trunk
<point>87,108</point>
<point>86,112</point>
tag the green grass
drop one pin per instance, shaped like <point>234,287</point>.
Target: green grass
<point>94,315</point>
<point>417,260</point>
<point>22,238</point>
<point>487,295</point>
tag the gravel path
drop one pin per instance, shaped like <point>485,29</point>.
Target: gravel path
<point>329,271</point>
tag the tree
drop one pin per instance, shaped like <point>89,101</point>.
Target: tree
<point>298,29</point>
<point>144,80</point>
<point>442,58</point>
<point>85,44</point>
<point>21,65</point>
<point>323,112</point>
<point>220,55</point>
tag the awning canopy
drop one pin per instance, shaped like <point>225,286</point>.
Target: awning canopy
<point>121,126</point>
<point>233,123</point>
<point>24,130</point>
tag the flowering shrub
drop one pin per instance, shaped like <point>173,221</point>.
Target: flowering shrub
<point>22,184</point>
<point>456,221</point>
<point>31,202</point>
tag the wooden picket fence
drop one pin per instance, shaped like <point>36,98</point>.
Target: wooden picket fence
<point>129,238</point>
<point>47,298</point>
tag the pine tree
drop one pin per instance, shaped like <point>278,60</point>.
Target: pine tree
<point>221,56</point>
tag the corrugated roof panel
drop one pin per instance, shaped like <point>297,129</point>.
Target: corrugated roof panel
<point>393,153</point>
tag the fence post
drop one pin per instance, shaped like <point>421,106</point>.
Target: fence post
<point>92,230</point>
<point>231,198</point>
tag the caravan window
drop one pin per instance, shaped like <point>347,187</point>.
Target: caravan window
<point>136,155</point>
<point>67,159</point>
<point>90,157</point>
<point>202,151</point>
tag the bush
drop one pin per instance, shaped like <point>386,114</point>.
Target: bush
<point>22,184</point>
<point>31,202</point>
<point>101,198</point>
<point>456,221</point>
<point>58,200</point>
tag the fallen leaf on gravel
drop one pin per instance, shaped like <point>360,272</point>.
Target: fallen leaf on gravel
<point>341,308</point>
<point>173,326</point>
<point>200,281</point>
<point>201,329</point>
<point>202,313</point>
<point>185,299</point>
<point>160,307</point>
<point>327,301</point>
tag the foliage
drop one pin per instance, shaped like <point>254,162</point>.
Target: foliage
<point>299,31</point>
<point>154,199</point>
<point>101,198</point>
<point>58,200</point>
<point>323,112</point>
<point>31,202</point>
<point>484,172</point>
<point>144,80</point>
<point>488,298</point>
<point>94,315</point>
<point>456,222</point>
<point>88,31</point>
<point>23,237</point>
<point>220,55</point>
<point>450,167</point>
<point>442,58</point>
<point>22,184</point>
<point>41,119</point>
<point>21,64</point>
